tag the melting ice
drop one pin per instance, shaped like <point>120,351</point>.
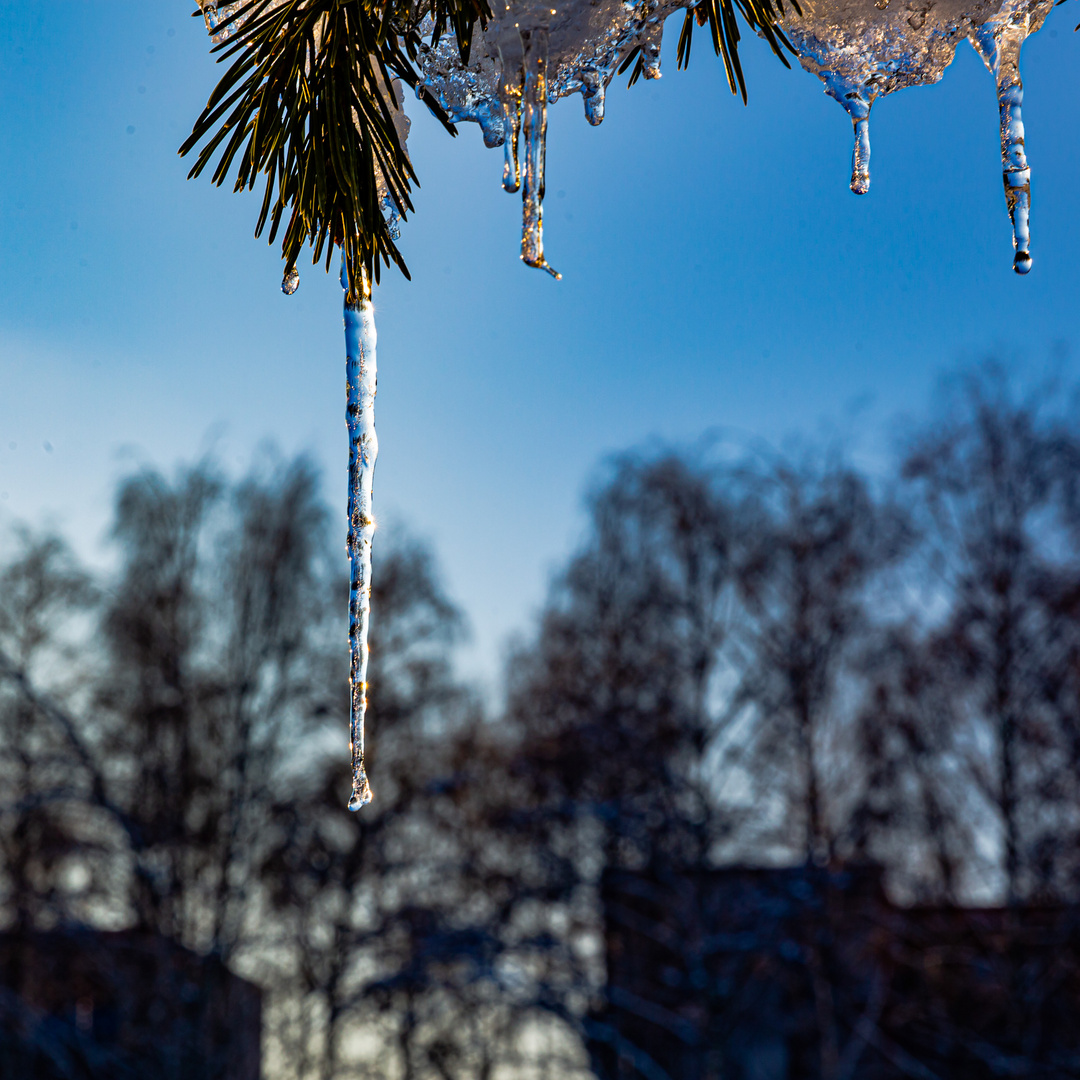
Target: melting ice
<point>862,53</point>
<point>532,54</point>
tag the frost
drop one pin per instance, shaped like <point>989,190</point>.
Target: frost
<point>217,15</point>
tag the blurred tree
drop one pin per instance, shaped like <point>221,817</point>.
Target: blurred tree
<point>375,911</point>
<point>42,876</point>
<point>750,661</point>
<point>215,634</point>
<point>613,701</point>
<point>991,476</point>
<point>820,541</point>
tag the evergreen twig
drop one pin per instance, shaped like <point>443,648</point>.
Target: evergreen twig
<point>306,104</point>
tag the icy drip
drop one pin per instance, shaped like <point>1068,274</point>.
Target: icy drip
<point>857,99</point>
<point>528,56</point>
<point>534,124</point>
<point>650,44</point>
<point>360,369</point>
<point>592,94</point>
<point>217,16</point>
<point>512,62</point>
<point>860,153</point>
<point>998,41</point>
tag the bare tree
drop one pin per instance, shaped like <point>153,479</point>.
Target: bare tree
<point>820,541</point>
<point>46,871</point>
<point>990,484</point>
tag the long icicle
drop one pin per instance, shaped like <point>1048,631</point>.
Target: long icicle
<point>534,131</point>
<point>998,42</point>
<point>360,368</point>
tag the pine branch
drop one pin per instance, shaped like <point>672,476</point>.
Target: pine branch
<point>306,106</point>
<point>763,17</point>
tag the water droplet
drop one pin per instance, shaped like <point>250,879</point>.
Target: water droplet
<point>361,792</point>
<point>1022,262</point>
<point>291,281</point>
<point>393,218</point>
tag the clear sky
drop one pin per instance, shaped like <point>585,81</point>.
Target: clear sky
<point>717,273</point>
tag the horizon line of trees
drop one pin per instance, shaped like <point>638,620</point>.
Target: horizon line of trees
<point>773,659</point>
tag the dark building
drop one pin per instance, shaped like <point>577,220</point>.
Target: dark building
<point>85,1005</point>
<point>803,973</point>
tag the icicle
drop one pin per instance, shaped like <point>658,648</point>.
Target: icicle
<point>217,18</point>
<point>393,218</point>
<point>512,124</point>
<point>510,90</point>
<point>534,112</point>
<point>650,45</point>
<point>360,369</point>
<point>860,153</point>
<point>291,281</point>
<point>998,42</point>
<point>592,93</point>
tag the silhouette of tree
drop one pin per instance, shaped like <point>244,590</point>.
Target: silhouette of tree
<point>990,477</point>
<point>820,541</point>
<point>766,660</point>
<point>44,872</point>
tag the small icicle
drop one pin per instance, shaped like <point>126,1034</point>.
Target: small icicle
<point>512,128</point>
<point>860,153</point>
<point>592,93</point>
<point>534,113</point>
<point>360,371</point>
<point>393,218</point>
<point>510,90</point>
<point>217,18</point>
<point>998,42</point>
<point>291,281</point>
<point>650,47</point>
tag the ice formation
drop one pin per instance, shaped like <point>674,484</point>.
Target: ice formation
<point>217,15</point>
<point>532,54</point>
<point>862,52</point>
<point>360,378</point>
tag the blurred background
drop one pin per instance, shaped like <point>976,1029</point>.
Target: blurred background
<point>784,782</point>
<point>726,654</point>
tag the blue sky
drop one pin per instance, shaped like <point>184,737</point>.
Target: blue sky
<point>717,273</point>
